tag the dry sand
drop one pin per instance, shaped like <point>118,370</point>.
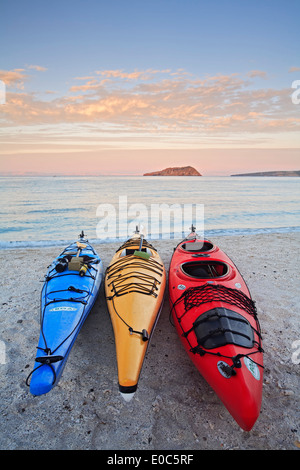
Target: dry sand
<point>174,408</point>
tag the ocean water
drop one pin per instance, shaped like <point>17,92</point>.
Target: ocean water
<point>45,211</point>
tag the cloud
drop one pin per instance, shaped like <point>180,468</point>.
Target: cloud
<point>18,76</point>
<point>89,85</point>
<point>157,103</point>
<point>136,75</point>
<point>39,68</point>
<point>13,78</point>
<point>294,69</point>
<point>120,74</point>
<point>257,73</point>
<point>85,78</point>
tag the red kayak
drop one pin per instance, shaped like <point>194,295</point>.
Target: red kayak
<point>216,320</point>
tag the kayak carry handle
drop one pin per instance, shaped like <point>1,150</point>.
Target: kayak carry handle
<point>144,333</point>
<point>45,360</point>
<point>48,359</point>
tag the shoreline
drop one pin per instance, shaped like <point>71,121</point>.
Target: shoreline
<point>208,234</point>
<point>174,408</point>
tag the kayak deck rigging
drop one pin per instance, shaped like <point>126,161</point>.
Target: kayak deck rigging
<point>133,281</point>
<point>220,326</point>
<point>195,296</point>
<point>125,284</point>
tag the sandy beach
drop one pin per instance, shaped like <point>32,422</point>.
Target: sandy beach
<point>173,408</point>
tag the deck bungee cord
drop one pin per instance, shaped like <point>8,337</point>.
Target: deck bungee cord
<point>141,283</point>
<point>198,295</point>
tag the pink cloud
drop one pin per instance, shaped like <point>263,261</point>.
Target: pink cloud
<point>90,85</point>
<point>294,69</point>
<point>14,77</point>
<point>170,108</point>
<point>136,75</point>
<point>120,74</point>
<point>257,73</point>
<point>38,68</point>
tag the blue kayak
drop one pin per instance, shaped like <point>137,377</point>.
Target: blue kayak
<point>69,292</point>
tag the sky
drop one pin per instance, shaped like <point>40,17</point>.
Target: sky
<point>127,87</point>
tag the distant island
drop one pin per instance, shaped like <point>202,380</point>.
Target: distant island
<point>272,173</point>
<point>175,171</point>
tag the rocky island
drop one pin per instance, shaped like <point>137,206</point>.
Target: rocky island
<point>271,173</point>
<point>175,171</point>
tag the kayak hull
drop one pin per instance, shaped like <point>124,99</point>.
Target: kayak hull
<point>66,300</point>
<point>216,320</point>
<point>134,289</point>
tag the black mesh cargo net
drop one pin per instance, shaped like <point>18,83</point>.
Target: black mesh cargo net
<point>220,326</point>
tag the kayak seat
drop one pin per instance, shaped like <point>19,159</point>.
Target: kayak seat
<point>221,326</point>
<point>197,247</point>
<point>205,269</point>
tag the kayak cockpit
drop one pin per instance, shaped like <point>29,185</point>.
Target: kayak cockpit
<point>205,269</point>
<point>131,251</point>
<point>197,246</point>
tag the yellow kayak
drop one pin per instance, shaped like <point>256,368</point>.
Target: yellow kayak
<point>135,283</point>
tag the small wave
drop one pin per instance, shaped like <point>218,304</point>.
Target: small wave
<point>33,244</point>
<point>58,211</point>
<point>249,231</point>
<point>210,234</point>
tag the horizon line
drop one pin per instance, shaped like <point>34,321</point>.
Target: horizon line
<point>53,175</point>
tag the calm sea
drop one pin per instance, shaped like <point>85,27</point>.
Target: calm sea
<point>45,211</point>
